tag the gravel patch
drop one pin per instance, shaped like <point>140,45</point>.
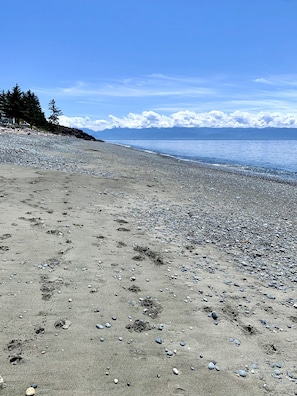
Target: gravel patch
<point>46,151</point>
<point>251,219</point>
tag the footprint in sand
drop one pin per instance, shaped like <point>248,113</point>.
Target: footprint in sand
<point>5,236</point>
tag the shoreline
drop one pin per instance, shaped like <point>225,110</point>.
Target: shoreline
<point>229,168</point>
<point>175,257</point>
<point>250,170</point>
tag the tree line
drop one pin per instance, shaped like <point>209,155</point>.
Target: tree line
<point>25,106</point>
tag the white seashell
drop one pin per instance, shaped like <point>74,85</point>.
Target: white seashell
<point>66,326</point>
<point>2,384</point>
<point>30,391</point>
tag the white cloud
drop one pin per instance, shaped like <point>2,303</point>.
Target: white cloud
<point>263,81</point>
<point>184,101</point>
<point>155,85</point>
<point>211,119</point>
<point>80,122</point>
<point>280,80</point>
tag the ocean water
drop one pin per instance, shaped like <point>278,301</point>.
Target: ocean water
<point>270,158</point>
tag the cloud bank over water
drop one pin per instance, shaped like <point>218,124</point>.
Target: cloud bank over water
<point>166,101</point>
<point>186,118</point>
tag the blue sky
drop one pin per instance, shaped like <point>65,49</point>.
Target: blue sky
<point>135,63</point>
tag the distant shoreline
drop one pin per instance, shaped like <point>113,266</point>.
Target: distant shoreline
<point>195,134</point>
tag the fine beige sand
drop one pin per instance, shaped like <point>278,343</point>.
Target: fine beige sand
<point>78,251</point>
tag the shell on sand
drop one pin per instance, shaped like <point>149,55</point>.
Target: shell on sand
<point>30,391</point>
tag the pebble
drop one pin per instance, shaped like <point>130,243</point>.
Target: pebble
<point>270,296</point>
<point>175,371</point>
<point>108,325</point>
<point>242,373</point>
<point>214,315</point>
<point>30,391</point>
<point>115,380</point>
<point>211,366</point>
<point>158,340</point>
<point>99,326</point>
<point>182,343</point>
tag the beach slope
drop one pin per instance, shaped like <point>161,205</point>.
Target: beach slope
<point>127,273</point>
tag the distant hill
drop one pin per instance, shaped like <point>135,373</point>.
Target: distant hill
<point>195,134</point>
<point>78,133</point>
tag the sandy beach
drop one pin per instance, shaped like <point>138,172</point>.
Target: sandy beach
<point>128,273</point>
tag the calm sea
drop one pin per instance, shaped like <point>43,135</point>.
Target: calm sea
<point>273,158</point>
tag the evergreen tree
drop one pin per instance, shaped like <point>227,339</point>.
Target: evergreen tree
<point>55,113</point>
<point>32,111</point>
<point>2,104</point>
<point>26,106</point>
<point>14,104</point>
